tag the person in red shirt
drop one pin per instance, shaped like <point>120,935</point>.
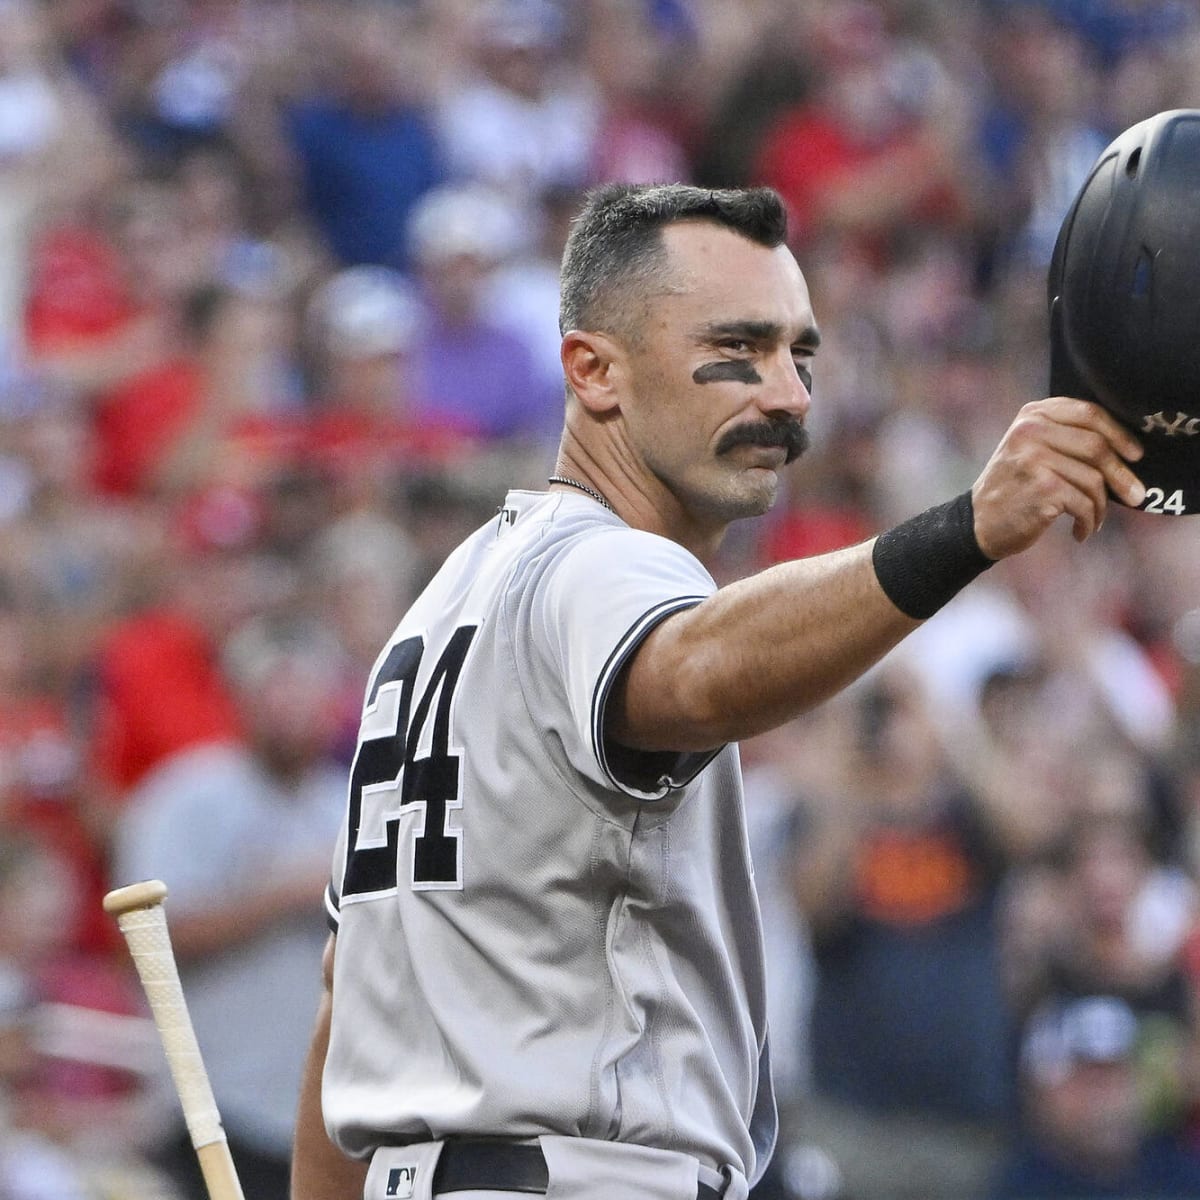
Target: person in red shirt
<point>76,290</point>
<point>137,322</point>
<point>102,321</point>
<point>859,158</point>
<point>160,693</point>
<point>216,413</point>
<point>158,685</point>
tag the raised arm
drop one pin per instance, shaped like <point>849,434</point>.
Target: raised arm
<point>766,648</point>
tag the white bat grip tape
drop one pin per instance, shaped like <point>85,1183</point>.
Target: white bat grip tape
<point>149,940</point>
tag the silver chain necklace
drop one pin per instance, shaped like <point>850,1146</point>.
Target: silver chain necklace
<point>583,487</point>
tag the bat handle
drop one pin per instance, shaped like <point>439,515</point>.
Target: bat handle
<point>138,909</point>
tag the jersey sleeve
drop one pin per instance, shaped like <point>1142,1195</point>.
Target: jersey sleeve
<point>595,603</point>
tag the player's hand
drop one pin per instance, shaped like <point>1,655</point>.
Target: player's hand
<point>1059,457</point>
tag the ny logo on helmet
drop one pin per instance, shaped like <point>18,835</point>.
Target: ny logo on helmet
<point>1183,423</point>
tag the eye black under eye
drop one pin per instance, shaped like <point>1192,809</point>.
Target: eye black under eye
<point>727,370</point>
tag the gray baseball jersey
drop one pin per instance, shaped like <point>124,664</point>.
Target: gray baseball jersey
<point>537,932</point>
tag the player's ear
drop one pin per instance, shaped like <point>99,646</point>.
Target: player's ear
<point>593,364</point>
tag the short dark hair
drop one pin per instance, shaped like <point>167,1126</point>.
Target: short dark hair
<point>615,245</point>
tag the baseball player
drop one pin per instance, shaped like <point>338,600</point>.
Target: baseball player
<point>546,973</point>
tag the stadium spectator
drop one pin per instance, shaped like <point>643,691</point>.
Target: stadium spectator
<point>773,70</point>
<point>1040,131</point>
<point>470,373</point>
<point>368,423</point>
<point>522,292</point>
<point>1120,927</point>
<point>1083,1134</point>
<point>364,140</point>
<point>105,319</point>
<point>158,686</point>
<point>73,1068</point>
<point>861,157</point>
<point>70,565</point>
<point>523,118</point>
<point>241,828</point>
<point>233,423</point>
<point>55,148</point>
<point>645,108</point>
<point>898,878</point>
<point>1115,29</point>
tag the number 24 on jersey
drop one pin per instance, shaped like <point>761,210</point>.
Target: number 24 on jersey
<point>390,777</point>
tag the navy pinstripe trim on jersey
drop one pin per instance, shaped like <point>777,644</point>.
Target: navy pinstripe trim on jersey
<point>676,770</point>
<point>333,909</point>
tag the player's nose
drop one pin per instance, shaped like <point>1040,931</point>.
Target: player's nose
<point>783,390</point>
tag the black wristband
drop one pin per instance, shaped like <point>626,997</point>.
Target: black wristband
<point>927,560</point>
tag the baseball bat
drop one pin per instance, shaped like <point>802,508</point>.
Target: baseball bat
<point>142,920</point>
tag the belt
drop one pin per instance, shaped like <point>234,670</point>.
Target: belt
<point>465,1166</point>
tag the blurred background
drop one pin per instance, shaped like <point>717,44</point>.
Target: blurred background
<point>278,293</point>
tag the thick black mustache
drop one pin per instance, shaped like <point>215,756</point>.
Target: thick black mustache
<point>788,433</point>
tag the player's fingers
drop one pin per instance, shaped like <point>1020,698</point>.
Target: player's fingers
<point>1125,485</point>
<point>1087,459</point>
<point>1087,443</point>
<point>1059,456</point>
<point>1082,494</point>
<point>1083,414</point>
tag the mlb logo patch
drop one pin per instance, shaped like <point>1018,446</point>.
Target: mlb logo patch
<point>402,1182</point>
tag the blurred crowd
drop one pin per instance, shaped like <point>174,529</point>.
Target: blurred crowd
<point>278,326</point>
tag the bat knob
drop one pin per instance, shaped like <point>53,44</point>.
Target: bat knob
<point>136,895</point>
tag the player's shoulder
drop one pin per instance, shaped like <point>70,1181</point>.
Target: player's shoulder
<point>577,542</point>
<point>539,536</point>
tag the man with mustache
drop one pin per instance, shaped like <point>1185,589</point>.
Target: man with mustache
<point>546,969</point>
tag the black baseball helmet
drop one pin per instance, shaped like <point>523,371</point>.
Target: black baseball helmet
<point>1124,290</point>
